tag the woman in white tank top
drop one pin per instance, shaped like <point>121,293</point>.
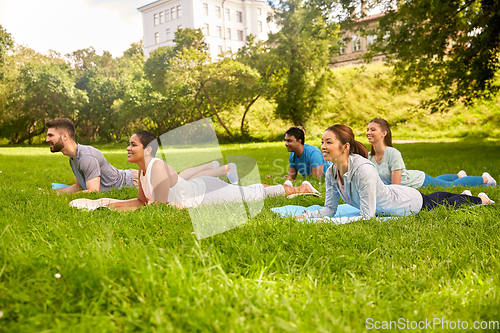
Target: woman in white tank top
<point>158,182</point>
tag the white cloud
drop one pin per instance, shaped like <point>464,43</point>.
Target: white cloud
<point>66,26</point>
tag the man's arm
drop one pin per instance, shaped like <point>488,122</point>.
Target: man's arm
<point>317,171</point>
<point>70,189</point>
<point>93,185</point>
<point>292,173</point>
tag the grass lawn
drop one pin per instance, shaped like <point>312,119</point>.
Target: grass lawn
<point>145,270</point>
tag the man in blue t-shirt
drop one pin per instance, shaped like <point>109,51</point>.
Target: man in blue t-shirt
<point>306,159</point>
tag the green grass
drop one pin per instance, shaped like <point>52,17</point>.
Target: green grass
<point>145,270</point>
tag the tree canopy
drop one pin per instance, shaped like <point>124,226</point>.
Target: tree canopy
<point>451,45</point>
<point>301,51</point>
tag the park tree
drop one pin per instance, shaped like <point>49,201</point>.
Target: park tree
<point>6,43</point>
<point>99,76</point>
<point>301,53</point>
<point>158,61</point>
<point>256,55</point>
<point>36,88</point>
<point>214,87</point>
<point>143,105</point>
<point>450,45</point>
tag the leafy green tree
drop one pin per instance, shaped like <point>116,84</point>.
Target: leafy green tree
<point>301,52</point>
<point>6,43</point>
<point>257,56</point>
<point>213,87</point>
<point>451,45</point>
<point>36,88</point>
<point>157,64</point>
<point>99,76</point>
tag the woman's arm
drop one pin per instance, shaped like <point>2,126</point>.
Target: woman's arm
<point>131,204</point>
<point>396,177</point>
<point>332,197</point>
<point>366,183</point>
<point>160,181</point>
<point>396,164</point>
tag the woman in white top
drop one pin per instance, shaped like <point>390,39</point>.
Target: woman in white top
<point>391,167</point>
<point>355,179</point>
<point>158,182</point>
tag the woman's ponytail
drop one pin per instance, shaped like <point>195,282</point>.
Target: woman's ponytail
<point>346,135</point>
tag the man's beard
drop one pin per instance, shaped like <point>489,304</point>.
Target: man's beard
<point>58,146</point>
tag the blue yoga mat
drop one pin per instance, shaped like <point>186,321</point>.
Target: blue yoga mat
<point>345,213</point>
<point>56,186</point>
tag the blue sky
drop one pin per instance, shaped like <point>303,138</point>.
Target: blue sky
<point>69,25</point>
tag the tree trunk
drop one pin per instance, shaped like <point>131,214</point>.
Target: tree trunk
<point>216,114</point>
<point>246,110</point>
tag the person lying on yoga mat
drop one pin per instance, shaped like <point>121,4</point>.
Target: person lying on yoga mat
<point>94,173</point>
<point>158,182</point>
<point>391,167</point>
<point>354,178</point>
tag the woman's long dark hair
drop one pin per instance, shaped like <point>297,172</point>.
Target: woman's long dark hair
<point>385,127</point>
<point>346,135</point>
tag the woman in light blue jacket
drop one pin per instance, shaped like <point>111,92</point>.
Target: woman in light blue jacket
<point>354,179</point>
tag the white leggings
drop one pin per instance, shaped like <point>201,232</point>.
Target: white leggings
<point>218,191</point>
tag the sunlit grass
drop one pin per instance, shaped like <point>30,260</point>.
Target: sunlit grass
<point>145,270</point>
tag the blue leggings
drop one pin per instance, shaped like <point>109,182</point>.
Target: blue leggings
<point>452,180</point>
<point>431,201</point>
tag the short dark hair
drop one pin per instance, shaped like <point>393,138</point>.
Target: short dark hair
<point>62,123</point>
<point>298,133</point>
<point>148,138</point>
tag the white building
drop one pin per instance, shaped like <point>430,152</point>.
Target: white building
<point>225,23</point>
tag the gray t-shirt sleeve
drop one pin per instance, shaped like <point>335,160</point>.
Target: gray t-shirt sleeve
<point>89,166</point>
<point>395,160</point>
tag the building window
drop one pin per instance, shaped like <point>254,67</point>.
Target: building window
<point>217,12</point>
<point>205,9</point>
<point>229,49</point>
<point>228,33</point>
<point>167,15</point>
<point>173,13</point>
<point>206,30</point>
<point>157,38</point>
<point>155,19</point>
<point>219,31</point>
<point>370,39</point>
<point>239,16</point>
<point>240,35</point>
<point>179,27</point>
<point>219,49</point>
<point>356,43</point>
<point>341,48</point>
<point>168,34</point>
<point>179,12</point>
<point>260,26</point>
<point>162,17</point>
<point>259,11</point>
<point>228,14</point>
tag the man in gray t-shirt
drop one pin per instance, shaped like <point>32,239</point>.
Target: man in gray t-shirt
<point>92,171</point>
